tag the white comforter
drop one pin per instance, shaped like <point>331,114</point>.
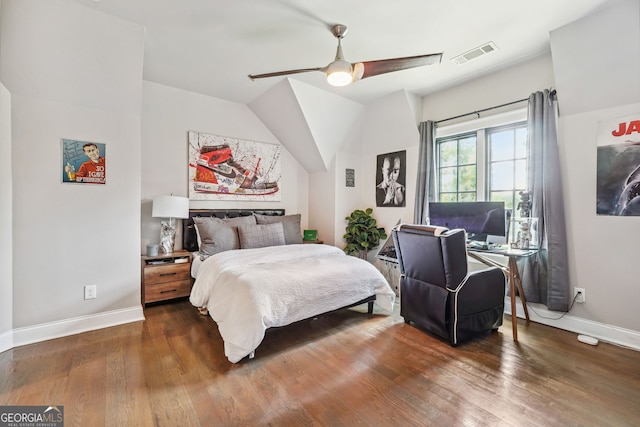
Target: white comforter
<point>249,290</point>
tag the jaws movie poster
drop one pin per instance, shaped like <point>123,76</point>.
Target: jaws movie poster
<point>618,183</point>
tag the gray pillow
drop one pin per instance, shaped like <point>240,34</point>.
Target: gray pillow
<point>261,235</point>
<point>218,235</point>
<point>290,224</point>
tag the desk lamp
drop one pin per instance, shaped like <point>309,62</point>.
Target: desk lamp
<point>170,207</point>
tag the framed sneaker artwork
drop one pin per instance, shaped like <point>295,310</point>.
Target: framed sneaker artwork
<point>223,168</point>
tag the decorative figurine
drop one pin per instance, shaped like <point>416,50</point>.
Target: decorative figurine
<point>167,235</point>
<point>524,236</point>
<point>525,204</point>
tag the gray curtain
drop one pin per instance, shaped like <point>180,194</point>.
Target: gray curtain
<point>425,183</point>
<point>545,276</point>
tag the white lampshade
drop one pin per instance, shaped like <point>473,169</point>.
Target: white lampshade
<point>339,73</point>
<point>170,207</point>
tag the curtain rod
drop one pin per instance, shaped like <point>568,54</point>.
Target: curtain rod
<point>483,110</point>
<point>552,92</point>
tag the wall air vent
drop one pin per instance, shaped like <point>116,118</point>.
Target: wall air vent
<point>475,53</point>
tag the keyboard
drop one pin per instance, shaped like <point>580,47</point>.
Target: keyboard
<point>477,246</point>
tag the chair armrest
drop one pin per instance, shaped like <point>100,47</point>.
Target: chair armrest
<point>483,289</point>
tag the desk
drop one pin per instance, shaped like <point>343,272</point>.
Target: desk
<point>512,273</point>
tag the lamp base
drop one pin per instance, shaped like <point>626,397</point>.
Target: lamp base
<point>167,236</point>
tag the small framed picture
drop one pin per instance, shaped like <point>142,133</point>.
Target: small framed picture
<point>350,178</point>
<point>83,162</point>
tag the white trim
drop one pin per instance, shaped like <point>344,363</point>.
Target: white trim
<point>6,341</point>
<point>455,316</point>
<point>482,165</point>
<point>455,293</point>
<point>75,325</point>
<point>46,331</point>
<point>608,333</point>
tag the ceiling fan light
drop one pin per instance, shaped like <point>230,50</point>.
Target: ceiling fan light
<point>339,73</point>
<point>358,71</point>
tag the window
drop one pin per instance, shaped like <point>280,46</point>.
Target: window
<point>485,164</point>
<point>507,164</point>
<point>457,168</point>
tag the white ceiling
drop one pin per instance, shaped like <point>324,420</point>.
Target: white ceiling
<point>210,46</point>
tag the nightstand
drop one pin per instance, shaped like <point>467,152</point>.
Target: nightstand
<point>317,242</point>
<point>165,277</point>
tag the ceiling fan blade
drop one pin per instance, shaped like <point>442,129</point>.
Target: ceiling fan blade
<point>283,73</point>
<point>382,66</point>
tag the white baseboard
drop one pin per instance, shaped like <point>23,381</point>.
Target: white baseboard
<point>75,325</point>
<point>6,341</point>
<point>46,331</point>
<point>607,333</point>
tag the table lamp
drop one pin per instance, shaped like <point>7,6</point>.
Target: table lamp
<point>170,207</point>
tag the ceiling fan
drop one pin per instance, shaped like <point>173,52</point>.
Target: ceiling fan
<point>341,73</point>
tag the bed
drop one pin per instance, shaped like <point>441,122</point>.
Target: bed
<point>270,278</point>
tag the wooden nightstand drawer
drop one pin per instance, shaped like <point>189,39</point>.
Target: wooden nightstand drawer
<point>165,277</point>
<point>166,273</point>
<point>168,290</point>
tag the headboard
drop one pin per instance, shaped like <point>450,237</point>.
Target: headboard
<point>189,236</point>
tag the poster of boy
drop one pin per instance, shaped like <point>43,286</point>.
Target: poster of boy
<point>84,162</point>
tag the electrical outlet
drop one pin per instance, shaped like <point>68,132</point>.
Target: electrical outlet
<point>90,292</point>
<point>580,295</point>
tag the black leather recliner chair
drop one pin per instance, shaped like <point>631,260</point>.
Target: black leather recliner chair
<point>436,291</point>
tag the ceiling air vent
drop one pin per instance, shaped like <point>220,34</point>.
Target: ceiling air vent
<point>475,53</point>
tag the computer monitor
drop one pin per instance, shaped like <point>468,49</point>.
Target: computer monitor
<point>479,219</point>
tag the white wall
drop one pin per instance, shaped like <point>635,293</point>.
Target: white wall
<point>6,204</point>
<point>72,73</point>
<point>602,249</point>
<point>498,88</point>
<point>389,125</point>
<point>594,53</point>
<point>167,115</point>
<point>345,199</point>
<point>330,200</point>
<point>322,204</point>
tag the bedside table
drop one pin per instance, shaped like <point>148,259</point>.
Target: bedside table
<point>165,277</point>
<point>317,242</point>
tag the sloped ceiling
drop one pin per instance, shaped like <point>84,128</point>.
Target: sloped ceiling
<point>311,123</point>
<point>599,60</point>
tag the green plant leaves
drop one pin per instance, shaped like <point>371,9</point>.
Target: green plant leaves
<point>362,232</point>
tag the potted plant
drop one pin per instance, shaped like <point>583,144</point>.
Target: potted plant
<point>362,233</point>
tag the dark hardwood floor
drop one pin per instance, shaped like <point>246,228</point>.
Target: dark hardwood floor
<point>343,369</point>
